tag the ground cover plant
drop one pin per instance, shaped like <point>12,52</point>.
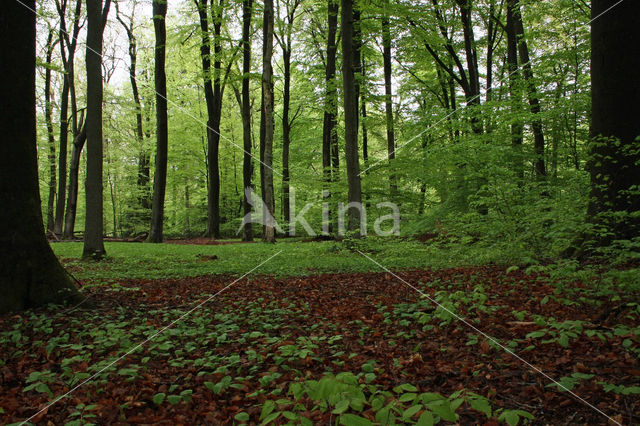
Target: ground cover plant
<point>339,348</point>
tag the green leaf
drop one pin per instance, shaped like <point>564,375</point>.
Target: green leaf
<point>482,405</point>
<point>174,399</point>
<point>341,406</point>
<point>354,420</point>
<point>271,417</point>
<point>536,334</point>
<point>442,409</point>
<point>426,419</point>
<point>411,411</point>
<point>267,408</point>
<point>159,398</point>
<point>242,417</point>
<point>408,397</point>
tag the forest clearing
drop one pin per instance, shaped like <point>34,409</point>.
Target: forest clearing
<point>340,212</point>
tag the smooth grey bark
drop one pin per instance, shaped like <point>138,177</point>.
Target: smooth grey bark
<point>94,224</point>
<point>267,123</point>
<point>51,141</point>
<point>247,166</point>
<point>388,95</point>
<point>351,115</point>
<point>162,131</point>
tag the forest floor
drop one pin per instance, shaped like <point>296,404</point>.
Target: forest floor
<point>468,345</point>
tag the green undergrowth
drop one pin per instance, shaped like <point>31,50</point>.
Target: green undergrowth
<point>158,261</point>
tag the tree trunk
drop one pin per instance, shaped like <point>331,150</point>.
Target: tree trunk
<point>388,98</point>
<point>68,43</point>
<point>62,153</point>
<point>74,168</point>
<point>247,167</point>
<point>514,93</point>
<point>286,133</point>
<point>50,138</point>
<point>615,152</point>
<point>93,228</point>
<point>532,93</point>
<point>473,95</point>
<point>162,143</point>
<point>213,133</point>
<point>143,157</point>
<point>267,122</point>
<point>31,273</point>
<point>330,159</point>
<point>350,115</point>
<point>286,45</point>
<point>363,110</point>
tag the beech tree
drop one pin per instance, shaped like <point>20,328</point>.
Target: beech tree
<point>162,130</point>
<point>614,166</point>
<point>31,273</point>
<point>247,166</point>
<point>93,225</point>
<point>350,115</point>
<point>267,123</point>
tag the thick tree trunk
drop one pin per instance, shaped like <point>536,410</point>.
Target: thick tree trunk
<point>532,92</point>
<point>31,274</point>
<point>388,97</point>
<point>267,122</point>
<point>350,115</point>
<point>247,167</point>
<point>93,228</point>
<point>162,143</point>
<point>615,151</point>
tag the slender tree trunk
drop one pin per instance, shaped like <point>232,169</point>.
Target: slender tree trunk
<point>388,98</point>
<point>330,158</point>
<point>94,223</point>
<point>357,55</point>
<point>68,43</point>
<point>286,44</point>
<point>187,210</point>
<point>532,93</point>
<point>50,137</point>
<point>268,122</point>
<point>514,93</point>
<point>351,115</point>
<point>247,167</point>
<point>615,154</point>
<point>143,157</point>
<point>31,273</point>
<point>286,136</point>
<point>162,144</point>
<point>215,115</point>
<point>363,110</point>
<point>74,168</point>
<point>473,95</point>
<point>62,154</point>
